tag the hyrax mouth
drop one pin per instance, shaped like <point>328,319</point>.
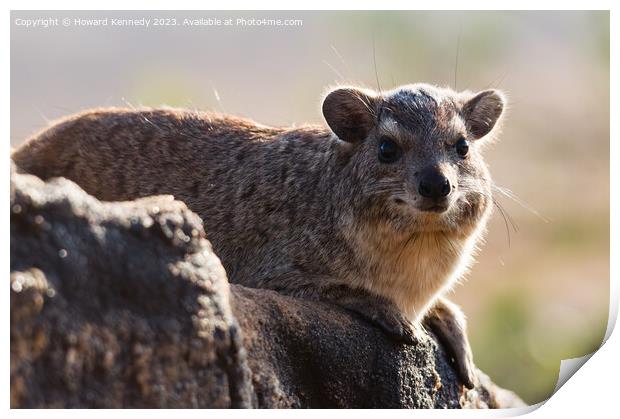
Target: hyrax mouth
<point>429,206</point>
<point>435,208</point>
<point>437,205</point>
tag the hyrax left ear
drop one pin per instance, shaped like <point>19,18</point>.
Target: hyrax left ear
<point>350,113</point>
<point>482,112</point>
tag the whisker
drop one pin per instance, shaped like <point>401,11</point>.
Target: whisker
<point>501,211</point>
<point>509,194</point>
<point>346,66</point>
<point>498,81</point>
<point>508,220</point>
<point>513,224</point>
<point>332,68</point>
<point>374,59</point>
<point>456,61</point>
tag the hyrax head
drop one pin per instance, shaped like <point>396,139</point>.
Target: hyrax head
<point>416,151</point>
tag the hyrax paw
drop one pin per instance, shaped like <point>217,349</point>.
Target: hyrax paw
<point>467,372</point>
<point>447,322</point>
<point>382,314</point>
<point>397,327</point>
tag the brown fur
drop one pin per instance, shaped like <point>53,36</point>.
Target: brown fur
<point>300,210</point>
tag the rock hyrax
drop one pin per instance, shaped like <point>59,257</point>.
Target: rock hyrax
<point>380,214</point>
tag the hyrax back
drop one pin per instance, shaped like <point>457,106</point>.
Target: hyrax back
<point>262,192</point>
<point>380,214</point>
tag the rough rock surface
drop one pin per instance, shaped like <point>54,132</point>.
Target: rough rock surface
<point>125,305</point>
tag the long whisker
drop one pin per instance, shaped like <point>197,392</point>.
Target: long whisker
<point>346,66</point>
<point>336,72</point>
<point>509,194</point>
<point>456,61</point>
<point>374,59</point>
<point>501,211</point>
<point>513,224</point>
<point>470,187</point>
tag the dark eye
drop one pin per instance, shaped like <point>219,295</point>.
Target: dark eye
<point>389,151</point>
<point>462,147</point>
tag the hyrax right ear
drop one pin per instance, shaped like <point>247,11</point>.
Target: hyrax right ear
<point>350,113</point>
<point>482,112</point>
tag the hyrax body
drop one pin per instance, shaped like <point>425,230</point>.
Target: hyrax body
<point>379,215</point>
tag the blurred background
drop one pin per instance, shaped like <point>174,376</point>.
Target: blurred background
<point>539,292</point>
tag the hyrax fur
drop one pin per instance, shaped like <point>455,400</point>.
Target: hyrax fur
<point>380,215</point>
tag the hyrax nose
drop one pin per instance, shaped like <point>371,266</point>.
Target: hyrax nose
<point>433,184</point>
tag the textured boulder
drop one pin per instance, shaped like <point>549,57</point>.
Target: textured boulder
<point>126,305</point>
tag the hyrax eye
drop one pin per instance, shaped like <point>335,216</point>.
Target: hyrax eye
<point>389,151</point>
<point>462,147</point>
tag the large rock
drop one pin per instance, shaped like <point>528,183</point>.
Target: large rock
<point>125,305</point>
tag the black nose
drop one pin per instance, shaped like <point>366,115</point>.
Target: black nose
<point>433,184</point>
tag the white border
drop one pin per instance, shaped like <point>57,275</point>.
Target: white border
<point>593,390</point>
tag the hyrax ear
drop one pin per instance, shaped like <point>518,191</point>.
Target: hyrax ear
<point>350,113</point>
<point>482,112</point>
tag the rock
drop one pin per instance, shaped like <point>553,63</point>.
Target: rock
<point>126,305</point>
